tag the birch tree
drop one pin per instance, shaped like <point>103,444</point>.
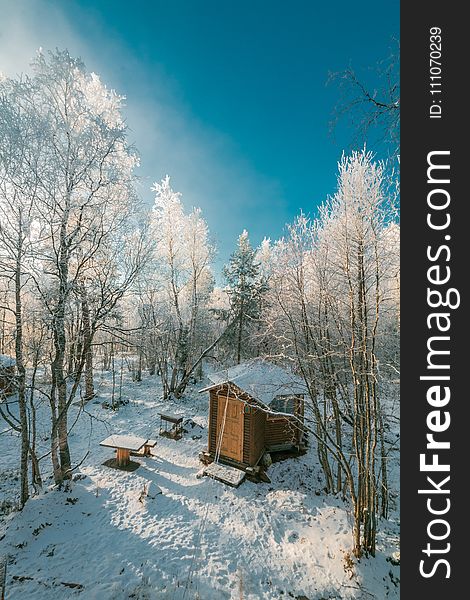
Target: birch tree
<point>18,148</point>
<point>333,313</point>
<point>82,173</point>
<point>181,288</point>
<point>352,224</point>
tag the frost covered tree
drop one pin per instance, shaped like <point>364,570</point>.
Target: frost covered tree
<point>19,145</point>
<point>246,289</point>
<point>295,325</point>
<point>77,162</point>
<point>14,246</point>
<point>352,224</point>
<point>180,288</point>
<point>333,314</point>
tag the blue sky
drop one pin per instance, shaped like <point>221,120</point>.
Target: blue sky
<point>229,98</point>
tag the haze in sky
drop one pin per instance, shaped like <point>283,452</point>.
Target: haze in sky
<point>228,98</point>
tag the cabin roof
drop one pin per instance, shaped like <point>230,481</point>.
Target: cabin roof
<point>6,361</point>
<point>259,378</point>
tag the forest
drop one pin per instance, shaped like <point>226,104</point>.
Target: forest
<point>99,291</point>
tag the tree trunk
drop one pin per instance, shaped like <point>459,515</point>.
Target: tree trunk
<point>35,472</point>
<point>384,476</point>
<point>21,377</point>
<point>113,393</point>
<point>88,348</point>
<point>54,439</point>
<point>59,386</point>
<point>357,549</point>
<point>240,334</point>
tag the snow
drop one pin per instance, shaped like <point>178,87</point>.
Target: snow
<point>128,442</point>
<point>225,473</point>
<point>261,379</point>
<point>6,361</point>
<point>115,537</point>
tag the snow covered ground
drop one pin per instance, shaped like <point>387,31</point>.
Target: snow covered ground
<point>102,538</point>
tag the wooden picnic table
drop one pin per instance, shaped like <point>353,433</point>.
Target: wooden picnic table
<point>124,444</point>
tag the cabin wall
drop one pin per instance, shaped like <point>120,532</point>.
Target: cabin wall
<point>285,431</point>
<point>253,424</point>
<point>213,437</point>
<point>258,419</point>
<point>260,432</point>
<point>247,438</point>
<point>213,411</point>
<point>280,431</point>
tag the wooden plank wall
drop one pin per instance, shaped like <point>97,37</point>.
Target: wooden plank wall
<point>247,438</point>
<point>213,409</point>
<point>283,430</point>
<point>279,431</point>
<point>259,431</point>
<point>258,418</point>
<point>214,394</point>
<point>253,428</point>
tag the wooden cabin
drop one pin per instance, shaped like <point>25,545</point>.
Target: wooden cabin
<point>7,375</point>
<point>254,407</point>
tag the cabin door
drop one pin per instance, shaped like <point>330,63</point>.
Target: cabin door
<point>230,417</point>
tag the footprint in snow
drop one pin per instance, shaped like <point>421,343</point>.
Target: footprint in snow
<point>293,537</point>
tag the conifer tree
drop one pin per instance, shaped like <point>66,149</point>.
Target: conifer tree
<point>246,290</point>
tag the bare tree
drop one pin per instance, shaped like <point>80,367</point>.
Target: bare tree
<point>13,247</point>
<point>17,209</point>
<point>373,110</point>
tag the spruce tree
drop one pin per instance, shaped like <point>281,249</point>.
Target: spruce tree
<point>246,289</point>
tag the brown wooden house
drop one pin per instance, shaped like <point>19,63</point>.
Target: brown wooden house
<point>254,407</point>
<point>7,375</point>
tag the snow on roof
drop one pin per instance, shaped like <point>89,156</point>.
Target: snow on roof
<point>261,379</point>
<point>7,361</point>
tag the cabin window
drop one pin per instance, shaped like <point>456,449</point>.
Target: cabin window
<point>283,404</point>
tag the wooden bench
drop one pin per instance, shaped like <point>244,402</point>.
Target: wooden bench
<point>149,444</point>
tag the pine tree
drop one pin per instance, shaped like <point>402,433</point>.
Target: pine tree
<point>246,290</point>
